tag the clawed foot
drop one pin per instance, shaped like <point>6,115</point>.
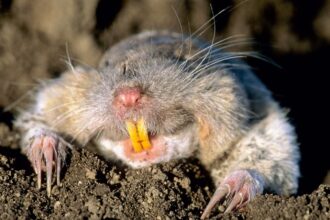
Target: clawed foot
<point>46,150</point>
<point>238,188</point>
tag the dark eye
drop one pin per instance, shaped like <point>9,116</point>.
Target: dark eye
<point>128,72</point>
<point>124,69</point>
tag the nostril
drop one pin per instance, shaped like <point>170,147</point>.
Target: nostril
<point>127,97</point>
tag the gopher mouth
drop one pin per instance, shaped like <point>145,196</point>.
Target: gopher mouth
<point>139,136</point>
<point>141,146</point>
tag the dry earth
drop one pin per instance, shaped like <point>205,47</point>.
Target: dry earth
<point>94,188</point>
<point>33,39</point>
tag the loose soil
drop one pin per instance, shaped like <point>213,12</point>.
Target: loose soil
<point>36,40</point>
<point>94,188</point>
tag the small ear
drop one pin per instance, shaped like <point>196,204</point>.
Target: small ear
<point>204,128</point>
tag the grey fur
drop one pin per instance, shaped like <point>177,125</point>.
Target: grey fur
<point>188,80</point>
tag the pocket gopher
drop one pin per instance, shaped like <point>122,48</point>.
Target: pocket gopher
<point>159,96</point>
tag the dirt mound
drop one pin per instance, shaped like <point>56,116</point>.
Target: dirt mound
<point>34,40</point>
<point>94,188</point>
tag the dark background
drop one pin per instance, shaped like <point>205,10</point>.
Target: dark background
<point>295,34</point>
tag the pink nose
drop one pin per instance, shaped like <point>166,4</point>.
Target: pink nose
<point>127,97</point>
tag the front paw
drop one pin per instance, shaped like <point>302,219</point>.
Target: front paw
<point>238,188</point>
<point>46,150</point>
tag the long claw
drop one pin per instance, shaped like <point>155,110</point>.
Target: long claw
<point>48,155</point>
<point>239,187</point>
<point>37,157</point>
<point>235,202</point>
<point>47,152</point>
<point>219,194</point>
<point>58,170</point>
<point>38,171</point>
<point>49,182</point>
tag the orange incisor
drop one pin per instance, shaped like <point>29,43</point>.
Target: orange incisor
<point>139,135</point>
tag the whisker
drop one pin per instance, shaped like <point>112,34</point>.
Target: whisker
<point>227,9</point>
<point>181,28</point>
<point>256,55</point>
<point>207,23</point>
<point>218,61</point>
<point>226,42</point>
<point>87,124</point>
<point>19,83</point>
<point>211,46</point>
<point>19,100</point>
<point>66,115</point>
<point>99,133</point>
<point>234,55</point>
<point>68,61</point>
<point>82,129</point>
<point>210,65</point>
<point>60,106</point>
